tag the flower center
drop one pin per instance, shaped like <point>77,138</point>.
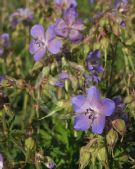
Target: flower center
<point>41,43</point>
<point>91,114</point>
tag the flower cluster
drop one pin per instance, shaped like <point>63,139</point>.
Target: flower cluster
<point>4,42</point>
<point>22,15</point>
<point>69,27</point>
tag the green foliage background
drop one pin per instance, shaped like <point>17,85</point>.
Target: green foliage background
<point>36,118</point>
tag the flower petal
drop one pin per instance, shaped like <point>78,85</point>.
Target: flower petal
<point>79,103</point>
<point>70,16</point>
<point>81,122</point>
<point>54,46</point>
<point>39,54</point>
<point>98,124</point>
<point>108,107</point>
<point>50,33</point>
<point>33,48</point>
<point>61,28</point>
<point>37,31</point>
<point>78,25</point>
<point>75,35</point>
<point>94,99</point>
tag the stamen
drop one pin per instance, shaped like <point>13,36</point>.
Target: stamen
<point>91,114</point>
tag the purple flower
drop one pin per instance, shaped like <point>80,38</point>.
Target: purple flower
<point>91,110</point>
<point>93,61</point>
<point>120,105</point>
<point>70,26</point>
<point>67,3</point>
<point>1,161</point>
<point>5,39</point>
<point>43,41</point>
<point>93,65</point>
<point>4,42</point>
<point>122,23</point>
<point>22,15</point>
<point>62,77</point>
<point>121,4</point>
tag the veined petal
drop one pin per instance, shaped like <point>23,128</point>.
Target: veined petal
<point>50,33</point>
<point>108,107</point>
<point>33,48</point>
<point>54,46</point>
<point>39,54</point>
<point>70,16</point>
<point>98,124</point>
<point>75,35</point>
<point>81,122</point>
<point>94,99</point>
<point>37,31</point>
<point>79,103</point>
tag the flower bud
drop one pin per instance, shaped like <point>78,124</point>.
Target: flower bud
<point>112,138</point>
<point>119,126</point>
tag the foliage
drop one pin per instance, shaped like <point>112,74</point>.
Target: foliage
<point>36,115</point>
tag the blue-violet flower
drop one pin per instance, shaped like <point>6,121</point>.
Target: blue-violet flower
<point>70,27</point>
<point>91,110</point>
<point>43,41</point>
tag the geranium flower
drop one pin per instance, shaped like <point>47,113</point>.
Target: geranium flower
<point>43,41</point>
<point>91,110</point>
<point>21,15</point>
<point>94,66</point>
<point>70,26</point>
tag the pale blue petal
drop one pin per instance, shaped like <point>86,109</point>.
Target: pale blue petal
<point>37,31</point>
<point>81,122</point>
<point>98,124</point>
<point>79,103</point>
<point>108,107</point>
<point>75,36</point>
<point>39,54</point>
<point>54,46</point>
<point>33,48</point>
<point>50,33</point>
<point>94,99</point>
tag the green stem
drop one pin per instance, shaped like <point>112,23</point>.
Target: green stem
<point>107,165</point>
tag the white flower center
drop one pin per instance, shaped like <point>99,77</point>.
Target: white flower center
<point>41,43</point>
